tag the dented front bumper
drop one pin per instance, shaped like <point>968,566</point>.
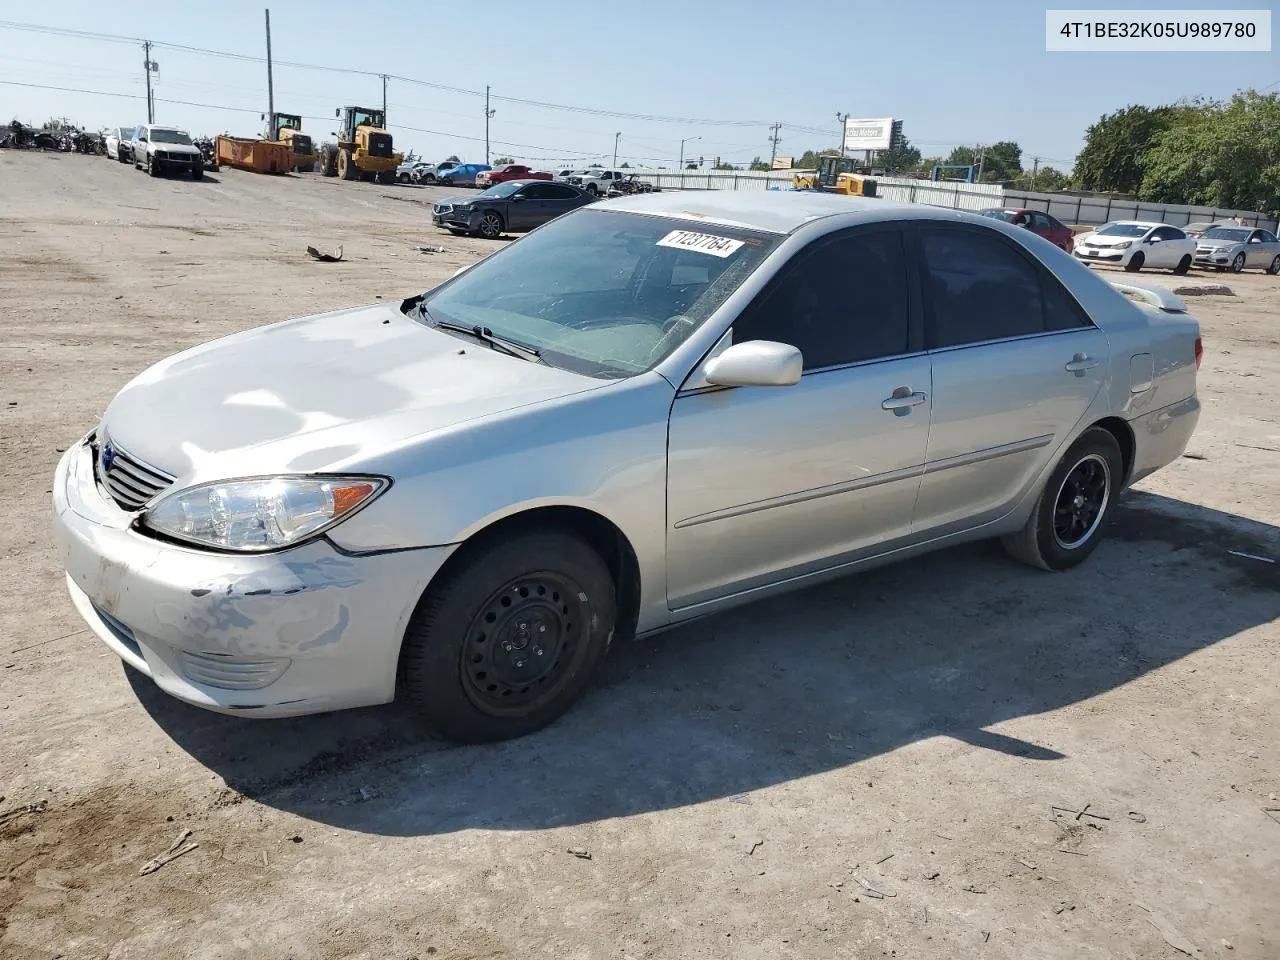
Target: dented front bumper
<point>300,631</point>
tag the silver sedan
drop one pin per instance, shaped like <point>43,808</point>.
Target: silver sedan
<point>644,412</point>
<point>1234,248</point>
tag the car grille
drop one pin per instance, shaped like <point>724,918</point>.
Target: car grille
<point>129,481</point>
<point>379,144</point>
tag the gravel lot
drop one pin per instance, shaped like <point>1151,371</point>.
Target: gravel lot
<point>738,784</point>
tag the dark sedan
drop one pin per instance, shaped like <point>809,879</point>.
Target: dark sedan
<point>516,206</point>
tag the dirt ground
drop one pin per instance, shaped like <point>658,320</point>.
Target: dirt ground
<point>893,765</point>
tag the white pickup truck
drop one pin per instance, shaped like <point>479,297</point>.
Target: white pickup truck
<point>596,180</point>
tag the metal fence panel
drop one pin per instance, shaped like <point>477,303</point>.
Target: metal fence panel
<point>1095,210</point>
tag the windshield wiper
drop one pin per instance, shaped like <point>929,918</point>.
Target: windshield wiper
<point>511,347</point>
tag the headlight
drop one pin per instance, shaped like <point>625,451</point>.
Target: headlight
<point>267,513</point>
<point>1124,246</point>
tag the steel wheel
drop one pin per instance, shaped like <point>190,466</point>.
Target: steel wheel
<point>1237,265</point>
<point>1081,501</point>
<point>523,642</point>
<point>490,226</point>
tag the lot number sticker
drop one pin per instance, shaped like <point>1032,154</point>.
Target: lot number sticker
<point>701,242</point>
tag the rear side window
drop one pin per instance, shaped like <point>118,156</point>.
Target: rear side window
<point>840,301</point>
<point>980,288</point>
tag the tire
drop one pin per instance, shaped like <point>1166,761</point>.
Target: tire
<point>153,168</point>
<point>1062,531</point>
<point>389,177</point>
<point>120,157</point>
<point>593,189</point>
<point>197,173</point>
<point>1237,265</point>
<point>347,169</point>
<point>491,225</point>
<point>1135,262</point>
<point>1183,265</point>
<point>1274,269</point>
<point>328,162</point>
<point>468,661</point>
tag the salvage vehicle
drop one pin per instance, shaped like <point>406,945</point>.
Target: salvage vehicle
<point>286,128</point>
<point>630,184</point>
<point>510,171</point>
<point>1134,244</point>
<point>159,150</point>
<point>516,206</point>
<point>120,144</point>
<point>596,180</point>
<point>1238,249</point>
<point>1037,221</point>
<point>461,174</point>
<point>644,412</point>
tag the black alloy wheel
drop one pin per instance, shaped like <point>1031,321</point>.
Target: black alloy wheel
<point>1082,500</point>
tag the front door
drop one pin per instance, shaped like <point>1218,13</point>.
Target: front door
<point>1016,364</point>
<point>767,483</point>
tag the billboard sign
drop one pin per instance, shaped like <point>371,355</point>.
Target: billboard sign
<point>873,134</point>
<point>782,163</point>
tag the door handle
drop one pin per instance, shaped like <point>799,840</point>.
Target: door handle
<point>902,400</point>
<point>1080,363</point>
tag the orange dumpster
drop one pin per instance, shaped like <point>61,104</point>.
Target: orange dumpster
<point>259,156</point>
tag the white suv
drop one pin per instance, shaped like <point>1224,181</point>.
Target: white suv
<point>596,181</point>
<point>161,149</point>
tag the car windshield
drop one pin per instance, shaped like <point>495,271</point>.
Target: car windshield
<point>502,189</point>
<point>603,293</point>
<point>1005,215</point>
<point>1238,234</point>
<point>170,136</point>
<point>1123,230</point>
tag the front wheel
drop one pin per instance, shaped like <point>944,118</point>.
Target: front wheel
<point>1135,262</point>
<point>1237,265</point>
<point>490,226</point>
<point>197,172</point>
<point>1183,265</point>
<point>509,638</point>
<point>1066,524</point>
<point>153,168</point>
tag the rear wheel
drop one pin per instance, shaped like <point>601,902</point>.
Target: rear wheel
<point>509,638</point>
<point>1274,269</point>
<point>328,162</point>
<point>490,225</point>
<point>1135,262</point>
<point>1183,265</point>
<point>1237,265</point>
<point>1066,524</point>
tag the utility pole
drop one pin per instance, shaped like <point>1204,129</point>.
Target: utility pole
<point>616,137</point>
<point>384,100</point>
<point>488,115</point>
<point>774,140</point>
<point>1035,171</point>
<point>682,143</point>
<point>841,118</point>
<point>149,66</point>
<point>271,93</point>
<point>982,155</point>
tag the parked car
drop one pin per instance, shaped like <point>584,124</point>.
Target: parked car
<point>510,171</point>
<point>597,181</point>
<point>566,174</point>
<point>628,419</point>
<point>159,150</point>
<point>1196,230</point>
<point>407,172</point>
<point>630,184</point>
<point>515,206</point>
<point>462,175</point>
<point>120,144</point>
<point>1237,249</point>
<point>423,173</point>
<point>1134,244</point>
<point>1038,222</point>
<point>445,166</point>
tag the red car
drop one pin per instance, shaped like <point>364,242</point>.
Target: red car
<point>512,171</point>
<point>1037,221</point>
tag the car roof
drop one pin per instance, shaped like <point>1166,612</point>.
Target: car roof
<point>771,211</point>
<point>1139,223</point>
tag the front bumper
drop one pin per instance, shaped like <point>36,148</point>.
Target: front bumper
<point>1089,256</point>
<point>177,161</point>
<point>456,220</point>
<point>304,630</point>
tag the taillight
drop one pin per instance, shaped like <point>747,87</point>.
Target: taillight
<point>1199,352</point>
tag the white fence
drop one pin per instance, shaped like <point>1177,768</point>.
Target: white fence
<point>1072,209</point>
<point>957,196</point>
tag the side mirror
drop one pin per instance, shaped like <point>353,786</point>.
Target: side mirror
<point>756,363</point>
<point>517,196</point>
<point>1153,240</point>
<point>337,112</point>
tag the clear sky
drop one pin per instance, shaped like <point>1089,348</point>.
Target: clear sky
<point>954,73</point>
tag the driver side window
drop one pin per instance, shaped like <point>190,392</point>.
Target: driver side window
<point>842,300</point>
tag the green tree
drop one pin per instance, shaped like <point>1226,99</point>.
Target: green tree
<point>758,164</point>
<point>624,166</point>
<point>1049,180</point>
<point>900,159</point>
<point>452,158</point>
<point>1114,146</point>
<point>503,161</point>
<point>724,165</point>
<point>809,159</point>
<point>1218,154</point>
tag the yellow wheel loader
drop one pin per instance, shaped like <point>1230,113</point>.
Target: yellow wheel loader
<point>364,150</point>
<point>286,128</point>
<point>836,175</point>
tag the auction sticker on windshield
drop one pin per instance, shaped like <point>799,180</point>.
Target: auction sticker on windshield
<point>701,242</point>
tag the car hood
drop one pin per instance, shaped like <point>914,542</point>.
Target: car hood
<point>1217,244</point>
<point>319,393</point>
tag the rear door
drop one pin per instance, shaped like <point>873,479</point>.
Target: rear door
<point>773,482</point>
<point>1016,364</point>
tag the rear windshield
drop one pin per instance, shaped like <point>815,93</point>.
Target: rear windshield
<point>1239,234</point>
<point>603,293</point>
<point>1123,230</point>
